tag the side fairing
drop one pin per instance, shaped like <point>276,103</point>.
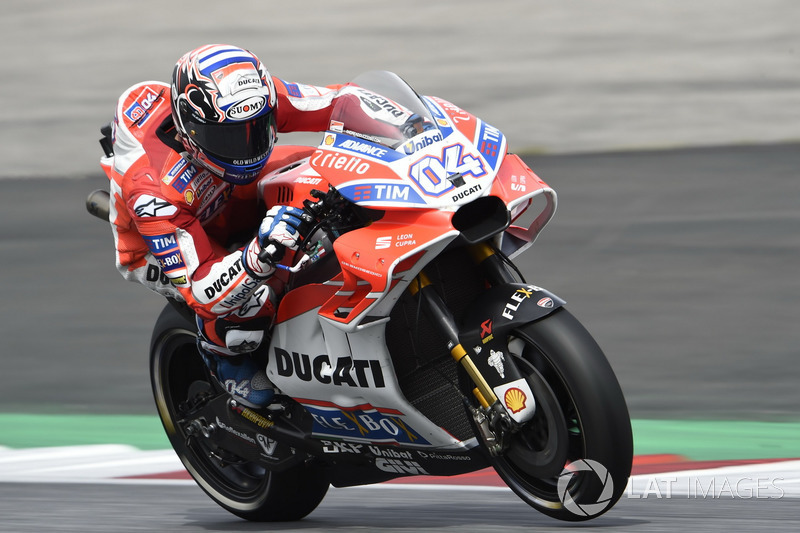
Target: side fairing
<point>347,382</point>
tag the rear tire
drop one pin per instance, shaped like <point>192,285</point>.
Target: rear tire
<point>581,419</point>
<point>248,490</point>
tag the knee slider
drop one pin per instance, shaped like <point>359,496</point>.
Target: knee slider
<point>243,341</point>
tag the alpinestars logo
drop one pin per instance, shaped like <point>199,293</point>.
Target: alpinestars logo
<point>150,206</point>
<point>585,467</point>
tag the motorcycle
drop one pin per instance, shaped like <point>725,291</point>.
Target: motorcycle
<point>407,343</point>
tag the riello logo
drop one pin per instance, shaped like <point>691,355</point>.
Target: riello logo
<point>248,108</point>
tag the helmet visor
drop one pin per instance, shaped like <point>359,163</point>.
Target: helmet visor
<point>237,143</point>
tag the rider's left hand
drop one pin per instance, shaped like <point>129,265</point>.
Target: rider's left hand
<point>281,225</point>
<point>280,229</point>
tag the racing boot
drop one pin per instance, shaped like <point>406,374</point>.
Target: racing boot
<point>241,377</point>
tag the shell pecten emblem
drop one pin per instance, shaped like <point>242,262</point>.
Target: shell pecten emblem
<point>515,400</point>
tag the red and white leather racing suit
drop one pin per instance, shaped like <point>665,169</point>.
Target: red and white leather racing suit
<point>174,222</point>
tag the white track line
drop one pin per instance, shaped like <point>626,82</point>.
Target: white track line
<point>108,463</point>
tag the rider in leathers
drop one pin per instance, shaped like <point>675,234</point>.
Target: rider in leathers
<point>183,173</point>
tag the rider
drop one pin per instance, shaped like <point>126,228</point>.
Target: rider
<point>185,161</point>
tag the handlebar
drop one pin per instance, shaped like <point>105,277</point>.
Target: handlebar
<point>312,211</point>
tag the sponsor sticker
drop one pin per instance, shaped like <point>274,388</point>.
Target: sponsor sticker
<point>171,262</point>
<point>138,112</point>
<point>364,147</point>
<point>150,206</point>
<point>293,89</point>
<point>383,193</point>
<point>247,108</point>
<point>339,371</point>
<point>365,425</point>
<point>422,141</point>
<point>490,142</point>
<point>517,397</point>
<point>546,303</point>
<point>161,244</point>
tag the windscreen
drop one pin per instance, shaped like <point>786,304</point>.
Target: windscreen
<point>380,107</point>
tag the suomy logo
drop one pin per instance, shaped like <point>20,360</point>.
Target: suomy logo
<point>247,108</point>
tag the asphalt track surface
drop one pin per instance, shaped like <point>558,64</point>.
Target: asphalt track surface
<point>103,508</point>
<point>681,263</point>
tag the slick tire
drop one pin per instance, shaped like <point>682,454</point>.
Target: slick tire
<point>582,420</point>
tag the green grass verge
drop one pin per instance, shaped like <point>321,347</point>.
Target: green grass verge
<point>34,430</point>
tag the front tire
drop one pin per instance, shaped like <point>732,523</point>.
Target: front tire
<point>248,490</point>
<point>581,420</point>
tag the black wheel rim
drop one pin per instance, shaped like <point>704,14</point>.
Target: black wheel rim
<point>521,475</point>
<point>180,372</point>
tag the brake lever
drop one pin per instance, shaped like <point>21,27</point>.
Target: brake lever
<point>307,259</point>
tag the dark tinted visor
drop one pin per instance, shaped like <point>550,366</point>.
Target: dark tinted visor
<point>234,142</point>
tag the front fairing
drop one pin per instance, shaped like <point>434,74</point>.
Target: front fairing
<point>389,148</point>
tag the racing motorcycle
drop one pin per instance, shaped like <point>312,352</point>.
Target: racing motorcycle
<point>407,343</point>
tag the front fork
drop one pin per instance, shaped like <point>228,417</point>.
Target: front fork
<point>493,420</point>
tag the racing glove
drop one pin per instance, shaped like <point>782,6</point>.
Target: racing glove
<point>279,230</point>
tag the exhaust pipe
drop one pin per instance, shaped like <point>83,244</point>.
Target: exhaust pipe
<point>98,204</point>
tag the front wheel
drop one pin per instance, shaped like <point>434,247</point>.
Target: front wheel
<point>180,379</point>
<point>573,459</point>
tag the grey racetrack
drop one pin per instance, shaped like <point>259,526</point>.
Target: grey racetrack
<point>683,265</point>
<point>669,129</point>
<point>93,508</point>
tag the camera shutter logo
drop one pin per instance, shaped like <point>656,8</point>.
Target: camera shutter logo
<point>588,466</point>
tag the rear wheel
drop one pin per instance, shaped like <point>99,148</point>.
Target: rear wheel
<point>180,379</point>
<point>581,421</point>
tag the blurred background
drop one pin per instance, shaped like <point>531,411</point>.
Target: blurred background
<point>567,76</point>
<point>669,129</point>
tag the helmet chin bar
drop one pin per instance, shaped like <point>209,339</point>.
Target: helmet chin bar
<point>236,174</point>
<point>230,175</point>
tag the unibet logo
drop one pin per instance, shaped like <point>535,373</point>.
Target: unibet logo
<point>588,467</point>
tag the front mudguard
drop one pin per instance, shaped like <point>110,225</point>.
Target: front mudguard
<point>484,334</point>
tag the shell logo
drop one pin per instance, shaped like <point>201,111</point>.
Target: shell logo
<point>515,400</point>
<point>329,139</point>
